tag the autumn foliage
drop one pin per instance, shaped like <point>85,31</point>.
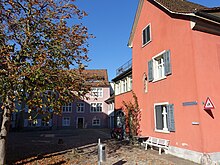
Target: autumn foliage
<point>132,117</point>
<point>40,40</point>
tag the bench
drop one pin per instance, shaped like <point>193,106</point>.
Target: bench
<point>157,142</point>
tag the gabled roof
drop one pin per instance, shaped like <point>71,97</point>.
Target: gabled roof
<point>180,7</point>
<point>97,78</point>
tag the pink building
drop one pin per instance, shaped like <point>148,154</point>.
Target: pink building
<point>88,113</point>
<point>176,67</point>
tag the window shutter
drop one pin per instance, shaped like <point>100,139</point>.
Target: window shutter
<point>159,117</point>
<point>167,63</point>
<point>150,71</point>
<point>170,117</point>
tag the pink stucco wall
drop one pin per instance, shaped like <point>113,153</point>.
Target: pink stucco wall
<point>87,115</point>
<point>195,76</point>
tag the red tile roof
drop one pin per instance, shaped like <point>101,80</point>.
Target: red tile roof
<point>180,6</point>
<point>97,78</point>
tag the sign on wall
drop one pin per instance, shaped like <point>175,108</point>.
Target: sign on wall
<point>208,104</point>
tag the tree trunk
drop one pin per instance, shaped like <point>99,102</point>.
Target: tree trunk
<point>4,131</point>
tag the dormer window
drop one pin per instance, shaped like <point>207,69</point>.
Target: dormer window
<point>146,35</point>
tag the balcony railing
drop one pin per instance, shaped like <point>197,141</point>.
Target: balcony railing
<point>124,67</point>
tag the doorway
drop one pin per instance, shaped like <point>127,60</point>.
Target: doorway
<point>80,122</point>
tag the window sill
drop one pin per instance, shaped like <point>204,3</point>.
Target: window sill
<point>162,131</point>
<point>95,112</point>
<point>79,112</point>
<point>143,45</point>
<point>159,79</point>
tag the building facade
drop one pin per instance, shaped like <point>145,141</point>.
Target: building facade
<point>175,69</point>
<point>91,112</point>
<point>123,92</point>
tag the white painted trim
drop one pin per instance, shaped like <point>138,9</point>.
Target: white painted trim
<point>143,45</point>
<point>68,107</point>
<point>83,107</point>
<point>69,121</point>
<point>96,105</point>
<point>97,92</point>
<point>155,129</point>
<point>95,118</point>
<point>154,66</point>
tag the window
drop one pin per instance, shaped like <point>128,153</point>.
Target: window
<point>96,122</point>
<point>124,85</point>
<point>159,67</point>
<point>97,92</point>
<point>96,107</point>
<point>117,88</point>
<point>67,108</point>
<point>80,107</point>
<point>111,106</point>
<point>146,35</point>
<point>164,117</point>
<point>129,83</point>
<point>66,121</point>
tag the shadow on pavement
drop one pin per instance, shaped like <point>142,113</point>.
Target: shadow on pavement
<point>40,144</point>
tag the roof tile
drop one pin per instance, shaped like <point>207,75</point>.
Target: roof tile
<point>181,6</point>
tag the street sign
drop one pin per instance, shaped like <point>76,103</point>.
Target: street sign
<point>208,104</point>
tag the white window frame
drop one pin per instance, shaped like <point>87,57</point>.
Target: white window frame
<point>96,92</point>
<point>117,88</point>
<point>64,122</point>
<point>68,108</point>
<point>80,107</point>
<point>129,83</point>
<point>156,66</point>
<point>96,106</point>
<point>165,129</point>
<point>144,44</point>
<point>96,123</point>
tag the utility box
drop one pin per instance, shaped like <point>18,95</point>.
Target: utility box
<point>101,152</point>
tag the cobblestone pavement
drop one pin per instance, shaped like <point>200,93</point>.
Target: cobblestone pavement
<point>73,147</point>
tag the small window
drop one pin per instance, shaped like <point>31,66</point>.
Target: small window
<point>66,121</point>
<point>67,108</point>
<point>96,122</point>
<point>160,66</point>
<point>159,71</point>
<point>97,92</point>
<point>164,117</point>
<point>96,107</point>
<point>146,35</point>
<point>80,107</point>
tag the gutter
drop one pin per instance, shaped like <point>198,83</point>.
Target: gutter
<point>197,14</point>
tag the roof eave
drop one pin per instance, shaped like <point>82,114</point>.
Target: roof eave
<point>172,12</point>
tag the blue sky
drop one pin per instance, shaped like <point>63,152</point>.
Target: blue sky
<point>110,21</point>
